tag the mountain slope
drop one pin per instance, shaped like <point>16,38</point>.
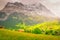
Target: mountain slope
<point>34,9</point>
<point>29,14</point>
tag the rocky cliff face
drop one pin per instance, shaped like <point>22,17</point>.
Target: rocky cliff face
<point>32,10</point>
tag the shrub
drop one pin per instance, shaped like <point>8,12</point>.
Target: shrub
<point>37,31</point>
<point>57,32</point>
<point>50,32</point>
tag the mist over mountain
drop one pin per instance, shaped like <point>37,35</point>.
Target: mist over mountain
<point>32,9</point>
<point>14,13</point>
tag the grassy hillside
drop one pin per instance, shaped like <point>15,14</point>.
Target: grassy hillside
<point>13,35</point>
<point>50,28</point>
<point>16,18</point>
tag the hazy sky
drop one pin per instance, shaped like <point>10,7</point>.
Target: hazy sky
<point>53,5</point>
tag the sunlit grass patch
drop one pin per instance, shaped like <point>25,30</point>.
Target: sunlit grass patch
<point>14,35</point>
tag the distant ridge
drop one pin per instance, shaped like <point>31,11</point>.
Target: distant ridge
<point>29,10</point>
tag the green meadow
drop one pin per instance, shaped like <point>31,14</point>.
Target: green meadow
<point>14,35</point>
